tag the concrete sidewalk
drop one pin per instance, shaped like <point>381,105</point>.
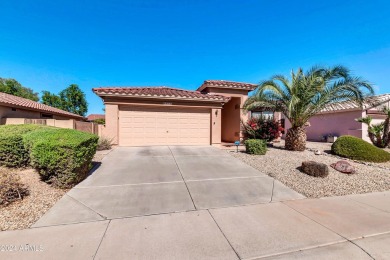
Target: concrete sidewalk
<point>199,203</point>
<point>351,227</point>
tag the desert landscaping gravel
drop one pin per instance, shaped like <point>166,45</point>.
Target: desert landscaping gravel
<point>282,165</point>
<point>22,214</point>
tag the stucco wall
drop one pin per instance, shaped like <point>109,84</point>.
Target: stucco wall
<point>231,123</point>
<point>342,123</point>
<point>111,129</point>
<point>233,112</point>
<point>19,113</point>
<point>61,123</point>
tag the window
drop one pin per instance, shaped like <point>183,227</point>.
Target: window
<point>265,114</point>
<point>46,116</point>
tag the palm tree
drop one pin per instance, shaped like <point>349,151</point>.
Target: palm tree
<point>306,94</point>
<point>379,134</point>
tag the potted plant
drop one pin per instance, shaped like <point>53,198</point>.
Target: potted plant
<point>331,138</point>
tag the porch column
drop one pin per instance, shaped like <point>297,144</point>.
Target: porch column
<point>244,116</point>
<point>216,124</point>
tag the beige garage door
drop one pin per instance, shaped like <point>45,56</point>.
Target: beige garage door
<point>140,126</point>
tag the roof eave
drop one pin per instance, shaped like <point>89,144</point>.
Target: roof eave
<point>207,85</point>
<point>40,110</point>
<point>163,97</point>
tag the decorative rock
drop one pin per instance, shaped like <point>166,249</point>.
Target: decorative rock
<point>317,152</point>
<point>344,167</point>
<point>315,169</point>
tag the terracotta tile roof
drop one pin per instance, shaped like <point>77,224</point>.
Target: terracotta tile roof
<point>369,102</point>
<point>92,117</point>
<point>158,92</point>
<point>14,101</point>
<point>227,84</point>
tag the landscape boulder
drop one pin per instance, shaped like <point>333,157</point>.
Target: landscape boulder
<point>317,152</point>
<point>344,167</point>
<point>315,169</point>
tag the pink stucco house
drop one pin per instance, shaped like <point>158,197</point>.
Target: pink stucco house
<point>339,118</point>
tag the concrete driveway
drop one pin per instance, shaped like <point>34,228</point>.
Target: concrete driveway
<point>199,203</point>
<point>139,181</point>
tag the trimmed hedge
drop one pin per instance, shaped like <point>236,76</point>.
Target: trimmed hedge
<point>12,150</point>
<point>256,146</point>
<point>62,156</point>
<point>357,149</point>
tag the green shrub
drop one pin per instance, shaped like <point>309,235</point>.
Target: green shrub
<point>357,149</point>
<point>12,150</point>
<point>62,156</point>
<point>256,146</point>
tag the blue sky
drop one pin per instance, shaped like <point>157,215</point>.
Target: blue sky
<point>47,45</point>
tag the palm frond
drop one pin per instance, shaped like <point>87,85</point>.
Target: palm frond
<point>306,94</point>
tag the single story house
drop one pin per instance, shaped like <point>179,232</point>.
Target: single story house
<point>13,107</point>
<point>138,116</point>
<point>93,117</point>
<point>339,118</point>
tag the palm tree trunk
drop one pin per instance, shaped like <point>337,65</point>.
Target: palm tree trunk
<point>296,139</point>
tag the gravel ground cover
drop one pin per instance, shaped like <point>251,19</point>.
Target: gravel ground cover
<point>22,214</point>
<point>282,165</point>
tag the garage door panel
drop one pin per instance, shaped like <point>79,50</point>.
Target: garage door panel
<point>163,126</point>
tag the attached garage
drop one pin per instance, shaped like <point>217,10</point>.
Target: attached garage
<point>161,116</point>
<point>143,125</point>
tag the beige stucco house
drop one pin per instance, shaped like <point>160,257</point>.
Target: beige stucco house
<point>137,116</point>
<point>13,107</point>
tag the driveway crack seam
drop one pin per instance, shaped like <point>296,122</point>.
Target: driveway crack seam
<point>224,234</point>
<point>272,193</point>
<point>101,240</point>
<point>351,241</point>
<point>177,165</point>
<point>363,203</point>
<point>77,201</point>
<point>348,240</point>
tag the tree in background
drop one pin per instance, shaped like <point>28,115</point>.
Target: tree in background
<point>13,87</point>
<point>51,99</point>
<point>71,99</point>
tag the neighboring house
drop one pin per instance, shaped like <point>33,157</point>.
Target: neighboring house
<point>339,118</point>
<point>137,116</point>
<point>12,107</point>
<point>93,117</point>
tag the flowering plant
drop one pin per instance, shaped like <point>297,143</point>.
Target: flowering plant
<point>262,128</point>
